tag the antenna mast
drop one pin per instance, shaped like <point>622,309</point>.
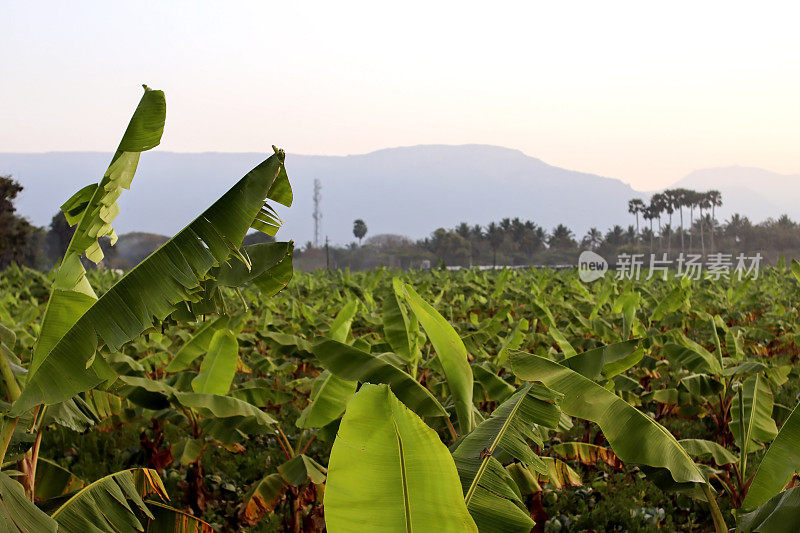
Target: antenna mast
<point>317,213</point>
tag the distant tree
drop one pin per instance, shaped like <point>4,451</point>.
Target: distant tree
<point>681,199</point>
<point>670,204</point>
<point>495,236</point>
<point>636,207</point>
<point>562,238</point>
<point>693,199</point>
<point>359,229</point>
<point>16,233</point>
<point>658,205</point>
<point>615,236</point>
<point>703,202</point>
<point>464,230</point>
<point>449,246</point>
<point>649,214</point>
<point>715,199</point>
<point>593,239</point>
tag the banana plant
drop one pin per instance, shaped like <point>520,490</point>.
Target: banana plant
<point>184,278</point>
<point>625,427</point>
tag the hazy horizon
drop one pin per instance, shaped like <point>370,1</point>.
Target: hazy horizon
<point>626,90</point>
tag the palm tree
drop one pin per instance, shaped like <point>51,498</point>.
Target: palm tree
<point>562,237</point>
<point>649,213</point>
<point>671,201</point>
<point>658,204</point>
<point>715,198</point>
<point>593,239</point>
<point>359,229</point>
<point>464,231</point>
<point>615,236</point>
<point>681,200</point>
<point>692,201</point>
<point>703,202</point>
<point>636,206</point>
<point>495,236</point>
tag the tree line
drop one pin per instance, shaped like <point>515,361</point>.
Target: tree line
<point>667,203</point>
<point>509,241</point>
<point>673,221</point>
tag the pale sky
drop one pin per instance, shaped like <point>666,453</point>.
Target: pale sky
<point>641,91</point>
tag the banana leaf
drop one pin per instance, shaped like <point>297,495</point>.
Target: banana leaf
<point>489,492</point>
<point>388,472</point>
<point>779,464</point>
<point>171,275</point>
<point>451,353</point>
<point>625,427</point>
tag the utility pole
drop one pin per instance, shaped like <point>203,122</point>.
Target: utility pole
<point>327,256</point>
<point>317,212</point>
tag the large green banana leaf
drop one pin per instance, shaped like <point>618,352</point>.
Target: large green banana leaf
<point>756,419</point>
<point>625,427</point>
<point>389,472</point>
<point>779,514</point>
<point>452,355</point>
<point>352,364</point>
<point>172,274</point>
<point>489,492</point>
<point>92,209</point>
<point>18,514</point>
<point>779,464</point>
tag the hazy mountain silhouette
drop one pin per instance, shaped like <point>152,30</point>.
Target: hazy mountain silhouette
<point>410,190</point>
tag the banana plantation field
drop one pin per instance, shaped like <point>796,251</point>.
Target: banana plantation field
<point>211,387</point>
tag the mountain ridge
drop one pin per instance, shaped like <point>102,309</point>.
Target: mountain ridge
<point>408,190</point>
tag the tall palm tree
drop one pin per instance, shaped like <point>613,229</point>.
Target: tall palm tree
<point>715,199</point>
<point>636,206</point>
<point>670,203</point>
<point>359,229</point>
<point>658,204</point>
<point>681,201</point>
<point>649,213</point>
<point>703,202</point>
<point>692,201</point>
